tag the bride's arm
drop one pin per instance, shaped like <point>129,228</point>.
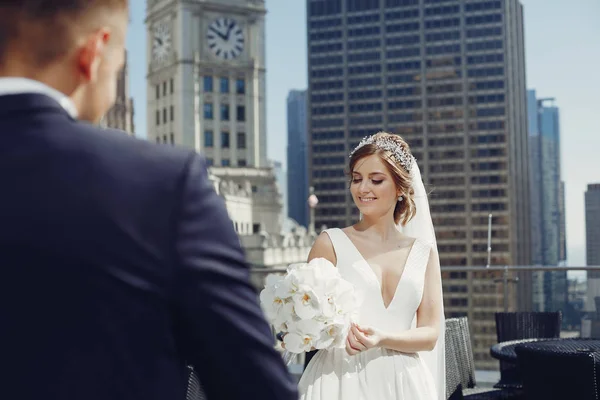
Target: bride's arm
<point>425,335</point>
<point>323,248</point>
<point>422,338</point>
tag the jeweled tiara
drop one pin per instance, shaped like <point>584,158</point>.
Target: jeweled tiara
<point>400,155</point>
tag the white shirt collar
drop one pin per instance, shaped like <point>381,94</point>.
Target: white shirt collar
<point>23,85</point>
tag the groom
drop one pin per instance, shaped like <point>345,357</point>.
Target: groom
<point>119,265</point>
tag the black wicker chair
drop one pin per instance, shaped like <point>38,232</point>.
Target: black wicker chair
<point>523,325</point>
<point>194,388</point>
<point>460,366</point>
<point>453,370</point>
<point>458,346</point>
<point>553,374</point>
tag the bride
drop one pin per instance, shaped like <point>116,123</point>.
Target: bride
<point>395,350</point>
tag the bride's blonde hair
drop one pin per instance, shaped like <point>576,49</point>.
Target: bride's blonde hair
<point>405,209</point>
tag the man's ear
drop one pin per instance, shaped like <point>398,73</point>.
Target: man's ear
<point>90,53</point>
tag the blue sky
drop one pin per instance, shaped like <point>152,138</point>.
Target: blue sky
<point>562,58</point>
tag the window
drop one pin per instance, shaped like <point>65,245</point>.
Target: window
<point>157,139</point>
<point>225,140</point>
<point>210,162</point>
<point>208,139</point>
<point>164,88</point>
<point>241,113</point>
<point>172,112</point>
<point>241,140</point>
<point>208,83</point>
<point>158,91</point>
<point>164,138</point>
<point>324,7</point>
<point>240,86</point>
<point>157,117</point>
<point>224,112</point>
<point>164,115</point>
<point>208,111</point>
<point>362,5</point>
<point>242,163</point>
<point>225,162</point>
<point>172,86</point>
<point>224,83</point>
<point>172,138</point>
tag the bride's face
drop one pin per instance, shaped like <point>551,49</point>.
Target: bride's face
<point>373,189</point>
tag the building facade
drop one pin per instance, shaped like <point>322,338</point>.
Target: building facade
<point>206,78</point>
<point>206,91</point>
<point>592,242</point>
<point>592,224</point>
<point>120,116</point>
<point>253,201</point>
<point>450,78</point>
<point>548,236</point>
<point>297,157</point>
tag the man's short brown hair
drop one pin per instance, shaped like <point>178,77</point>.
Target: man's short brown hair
<point>42,27</point>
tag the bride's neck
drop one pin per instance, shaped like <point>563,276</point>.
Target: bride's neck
<point>382,229</point>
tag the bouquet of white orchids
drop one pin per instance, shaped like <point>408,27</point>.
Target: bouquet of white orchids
<point>311,304</point>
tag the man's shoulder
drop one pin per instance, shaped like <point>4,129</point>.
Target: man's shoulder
<point>116,149</point>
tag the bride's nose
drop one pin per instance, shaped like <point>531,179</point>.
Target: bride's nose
<point>364,187</point>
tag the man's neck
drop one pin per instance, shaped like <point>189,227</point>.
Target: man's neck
<point>52,77</point>
<point>13,85</point>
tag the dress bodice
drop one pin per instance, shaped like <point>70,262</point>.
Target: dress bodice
<point>401,311</point>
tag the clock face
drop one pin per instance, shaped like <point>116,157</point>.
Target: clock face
<point>225,38</point>
<point>161,42</point>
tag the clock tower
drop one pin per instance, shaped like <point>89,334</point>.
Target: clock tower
<point>206,78</point>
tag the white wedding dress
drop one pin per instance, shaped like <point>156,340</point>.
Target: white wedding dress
<point>378,373</point>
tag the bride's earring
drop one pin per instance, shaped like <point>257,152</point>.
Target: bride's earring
<point>400,198</point>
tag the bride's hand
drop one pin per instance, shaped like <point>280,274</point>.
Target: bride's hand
<point>361,339</point>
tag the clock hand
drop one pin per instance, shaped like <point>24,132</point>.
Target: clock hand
<point>218,33</point>
<point>229,30</point>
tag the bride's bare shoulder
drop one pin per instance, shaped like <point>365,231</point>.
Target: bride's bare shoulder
<point>323,248</point>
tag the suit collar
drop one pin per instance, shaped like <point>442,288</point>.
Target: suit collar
<point>24,86</point>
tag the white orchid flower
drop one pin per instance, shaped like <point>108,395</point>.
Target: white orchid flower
<point>284,318</point>
<point>333,334</point>
<point>270,304</point>
<point>288,286</point>
<point>323,270</point>
<point>306,303</point>
<point>302,336</point>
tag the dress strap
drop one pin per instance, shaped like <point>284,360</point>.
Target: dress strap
<point>345,251</point>
<point>416,264</point>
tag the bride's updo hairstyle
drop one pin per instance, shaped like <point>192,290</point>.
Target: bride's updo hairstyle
<point>396,155</point>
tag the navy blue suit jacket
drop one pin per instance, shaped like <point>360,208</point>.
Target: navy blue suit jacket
<point>119,265</point>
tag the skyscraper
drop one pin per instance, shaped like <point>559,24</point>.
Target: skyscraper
<point>547,203</point>
<point>297,157</point>
<point>449,78</point>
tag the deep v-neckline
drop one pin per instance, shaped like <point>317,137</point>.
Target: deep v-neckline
<point>374,275</point>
